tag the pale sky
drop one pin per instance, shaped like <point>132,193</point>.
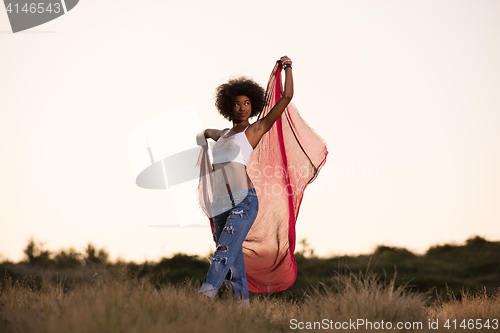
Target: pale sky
<point>408,90</point>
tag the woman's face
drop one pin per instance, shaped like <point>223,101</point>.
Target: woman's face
<point>242,108</point>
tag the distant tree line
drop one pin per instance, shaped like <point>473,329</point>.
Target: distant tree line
<point>443,267</point>
<point>40,257</point>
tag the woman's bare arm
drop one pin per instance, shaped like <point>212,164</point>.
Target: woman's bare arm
<point>267,122</point>
<point>213,134</point>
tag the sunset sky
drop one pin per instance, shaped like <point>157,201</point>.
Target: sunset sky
<point>406,95</point>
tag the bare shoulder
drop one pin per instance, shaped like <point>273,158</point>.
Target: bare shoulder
<point>254,133</point>
<point>215,134</point>
<point>222,132</point>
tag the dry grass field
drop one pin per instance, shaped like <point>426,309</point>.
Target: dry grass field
<point>115,302</point>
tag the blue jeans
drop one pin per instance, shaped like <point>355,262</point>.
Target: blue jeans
<point>234,215</point>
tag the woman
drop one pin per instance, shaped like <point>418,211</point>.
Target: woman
<point>235,203</point>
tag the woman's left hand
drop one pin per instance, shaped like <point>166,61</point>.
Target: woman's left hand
<point>285,60</point>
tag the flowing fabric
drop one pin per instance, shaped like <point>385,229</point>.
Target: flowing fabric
<point>288,158</point>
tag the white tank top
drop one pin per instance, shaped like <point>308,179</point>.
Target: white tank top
<point>235,148</point>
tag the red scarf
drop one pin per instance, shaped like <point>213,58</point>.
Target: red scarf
<point>288,158</point>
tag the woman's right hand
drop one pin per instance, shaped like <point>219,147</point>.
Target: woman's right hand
<point>201,140</point>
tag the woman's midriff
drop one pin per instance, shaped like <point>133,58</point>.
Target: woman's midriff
<point>229,178</point>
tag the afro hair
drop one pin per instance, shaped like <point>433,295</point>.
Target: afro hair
<point>226,93</point>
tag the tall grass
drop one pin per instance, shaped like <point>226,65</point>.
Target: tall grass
<point>470,306</point>
<point>363,296</point>
<point>117,303</point>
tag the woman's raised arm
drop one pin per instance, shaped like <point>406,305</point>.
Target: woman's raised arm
<point>267,122</point>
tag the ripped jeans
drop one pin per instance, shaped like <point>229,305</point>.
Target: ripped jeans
<point>234,215</point>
